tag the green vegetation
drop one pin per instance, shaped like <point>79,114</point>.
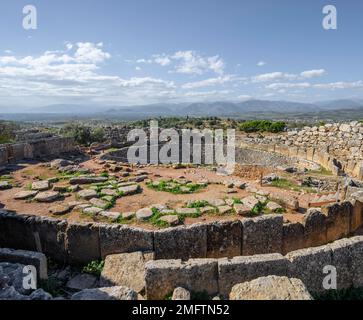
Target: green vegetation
<point>173,186</point>
<point>289,185</point>
<point>7,131</point>
<point>155,219</point>
<point>83,134</point>
<point>198,204</point>
<point>94,267</point>
<point>259,208</point>
<point>263,126</point>
<point>322,171</point>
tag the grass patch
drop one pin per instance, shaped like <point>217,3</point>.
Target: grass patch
<point>289,185</point>
<point>94,268</point>
<point>322,171</point>
<point>199,204</point>
<point>174,187</point>
<point>155,219</point>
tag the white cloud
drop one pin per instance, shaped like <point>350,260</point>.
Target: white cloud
<point>261,63</point>
<point>340,85</point>
<point>188,62</point>
<point>266,77</point>
<point>282,86</point>
<point>313,73</point>
<point>211,82</point>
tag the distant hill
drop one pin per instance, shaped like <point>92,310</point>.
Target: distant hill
<point>245,109</point>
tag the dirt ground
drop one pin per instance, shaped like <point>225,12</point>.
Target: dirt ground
<point>24,174</point>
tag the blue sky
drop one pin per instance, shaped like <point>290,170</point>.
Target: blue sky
<point>129,52</point>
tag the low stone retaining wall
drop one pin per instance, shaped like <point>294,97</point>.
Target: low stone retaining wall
<point>218,276</point>
<point>10,153</point>
<point>80,243</point>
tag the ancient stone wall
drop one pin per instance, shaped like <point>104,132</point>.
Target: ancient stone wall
<point>218,276</point>
<point>80,243</point>
<point>10,153</point>
<point>337,147</point>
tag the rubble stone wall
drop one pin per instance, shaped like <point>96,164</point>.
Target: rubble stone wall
<point>80,243</point>
<point>55,146</point>
<point>337,147</point>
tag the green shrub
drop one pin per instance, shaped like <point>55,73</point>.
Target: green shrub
<point>263,126</point>
<point>94,267</point>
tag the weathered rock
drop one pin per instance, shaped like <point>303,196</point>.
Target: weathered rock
<point>82,281</point>
<point>110,215</point>
<point>186,211</point>
<point>87,180</point>
<point>109,192</point>
<point>23,195</point>
<point>181,294</point>
<point>224,209</point>
<point>59,209</point>
<point>308,265</point>
<point>99,203</point>
<point>224,239</point>
<point>87,194</point>
<point>172,220</point>
<point>273,206</point>
<point>126,269</point>
<point>262,234</point>
<point>271,288</point>
<point>40,294</point>
<point>92,210</point>
<point>128,215</point>
<point>41,185</point>
<point>111,293</point>
<point>246,268</point>
<point>129,190</point>
<point>241,209</point>
<point>250,202</point>
<point>47,196</point>
<point>181,242</point>
<point>58,163</point>
<point>217,202</point>
<point>144,214</point>
<point>196,275</point>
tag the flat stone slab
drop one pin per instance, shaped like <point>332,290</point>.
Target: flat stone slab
<point>92,210</point>
<point>172,220</point>
<point>23,195</point>
<point>129,190</point>
<point>241,209</point>
<point>271,288</point>
<point>110,215</point>
<point>217,202</point>
<point>128,215</point>
<point>224,209</point>
<point>59,209</point>
<point>186,211</point>
<point>109,192</point>
<point>250,202</point>
<point>273,206</point>
<point>207,209</point>
<point>144,214</point>
<point>41,185</point>
<point>47,196</point>
<point>99,203</point>
<point>87,180</point>
<point>87,194</point>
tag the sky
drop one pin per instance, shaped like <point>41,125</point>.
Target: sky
<point>134,52</point>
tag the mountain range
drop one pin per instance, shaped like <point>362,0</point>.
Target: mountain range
<point>218,108</point>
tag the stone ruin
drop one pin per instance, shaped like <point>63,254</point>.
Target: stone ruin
<point>251,258</point>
